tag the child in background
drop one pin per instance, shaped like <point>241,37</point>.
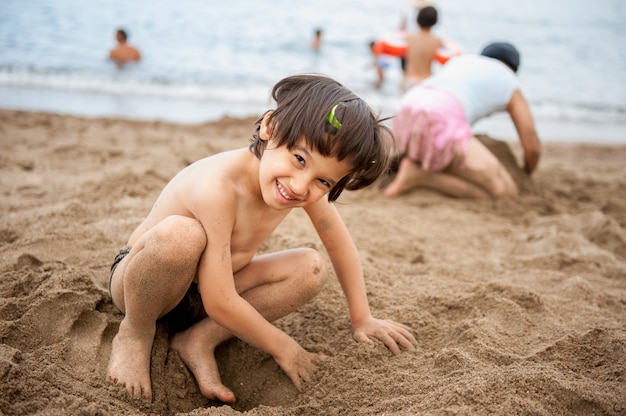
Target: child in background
<point>422,48</point>
<point>316,42</point>
<point>433,127</point>
<point>381,63</point>
<point>194,256</point>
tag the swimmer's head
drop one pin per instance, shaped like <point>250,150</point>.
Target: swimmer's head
<point>504,52</point>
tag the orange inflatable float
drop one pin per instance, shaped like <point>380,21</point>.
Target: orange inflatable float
<point>394,44</point>
<point>450,49</point>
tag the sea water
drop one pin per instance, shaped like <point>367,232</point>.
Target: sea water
<point>203,59</point>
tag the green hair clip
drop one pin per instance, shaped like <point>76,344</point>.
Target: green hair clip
<point>332,119</point>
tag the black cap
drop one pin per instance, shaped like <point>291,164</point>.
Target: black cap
<point>504,52</point>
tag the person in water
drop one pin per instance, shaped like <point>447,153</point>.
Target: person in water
<point>124,52</point>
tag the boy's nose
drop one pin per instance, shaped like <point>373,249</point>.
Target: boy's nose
<point>300,185</point>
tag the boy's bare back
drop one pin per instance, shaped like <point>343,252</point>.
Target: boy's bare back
<point>422,48</point>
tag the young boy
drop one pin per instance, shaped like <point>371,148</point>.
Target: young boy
<point>381,62</point>
<point>200,239</point>
<point>422,48</point>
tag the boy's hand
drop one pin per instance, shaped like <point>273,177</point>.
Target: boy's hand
<point>298,364</point>
<point>391,333</point>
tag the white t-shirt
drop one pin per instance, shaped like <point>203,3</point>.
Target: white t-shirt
<point>483,85</point>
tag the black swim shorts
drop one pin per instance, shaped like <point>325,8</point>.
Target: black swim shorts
<point>188,311</point>
<point>120,256</point>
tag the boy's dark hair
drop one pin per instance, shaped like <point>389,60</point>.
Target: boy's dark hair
<point>303,106</point>
<point>427,17</point>
<point>122,34</point>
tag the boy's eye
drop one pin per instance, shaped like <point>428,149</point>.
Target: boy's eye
<point>325,183</point>
<point>301,161</point>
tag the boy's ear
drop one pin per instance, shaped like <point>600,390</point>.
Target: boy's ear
<point>265,132</point>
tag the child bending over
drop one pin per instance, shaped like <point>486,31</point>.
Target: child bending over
<point>193,256</point>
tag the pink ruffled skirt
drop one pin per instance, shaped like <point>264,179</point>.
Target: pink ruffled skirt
<point>430,127</point>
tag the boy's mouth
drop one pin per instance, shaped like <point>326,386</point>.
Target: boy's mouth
<point>283,192</point>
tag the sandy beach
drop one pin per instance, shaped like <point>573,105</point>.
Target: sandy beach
<point>518,306</point>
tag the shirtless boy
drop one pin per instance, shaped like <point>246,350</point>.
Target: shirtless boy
<point>123,52</point>
<point>422,48</point>
<point>207,224</point>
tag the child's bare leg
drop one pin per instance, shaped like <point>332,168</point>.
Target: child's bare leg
<point>148,283</point>
<point>482,168</point>
<point>275,284</point>
<point>411,176</point>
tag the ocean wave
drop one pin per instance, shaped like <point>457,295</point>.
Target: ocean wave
<point>249,93</point>
<point>124,85</point>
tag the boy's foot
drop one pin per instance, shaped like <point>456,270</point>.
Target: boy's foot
<point>199,356</point>
<point>129,365</point>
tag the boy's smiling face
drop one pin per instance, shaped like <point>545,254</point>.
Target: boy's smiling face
<point>299,176</point>
<point>295,177</point>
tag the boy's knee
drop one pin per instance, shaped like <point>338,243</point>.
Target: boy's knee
<point>318,270</point>
<point>184,233</point>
